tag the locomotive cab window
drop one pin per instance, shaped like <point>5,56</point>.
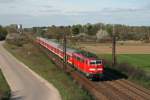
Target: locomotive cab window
<point>95,62</point>
<point>98,61</point>
<point>92,62</point>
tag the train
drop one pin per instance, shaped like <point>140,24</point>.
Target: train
<point>85,62</point>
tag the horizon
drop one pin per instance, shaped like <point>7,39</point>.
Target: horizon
<point>76,24</point>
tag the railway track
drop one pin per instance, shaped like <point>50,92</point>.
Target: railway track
<point>129,88</point>
<point>108,89</point>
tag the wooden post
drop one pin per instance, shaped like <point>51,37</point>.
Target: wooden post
<point>113,47</point>
<point>64,50</point>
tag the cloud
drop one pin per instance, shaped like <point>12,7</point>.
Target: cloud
<point>47,6</point>
<point>7,1</point>
<point>124,10</point>
<point>15,16</point>
<point>48,9</point>
<point>73,11</point>
<point>111,11</point>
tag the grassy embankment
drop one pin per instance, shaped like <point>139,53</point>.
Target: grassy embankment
<point>40,63</point>
<point>4,88</point>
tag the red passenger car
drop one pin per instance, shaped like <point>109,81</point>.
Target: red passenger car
<point>83,61</point>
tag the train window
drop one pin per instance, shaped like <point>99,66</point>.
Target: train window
<point>83,60</point>
<point>86,62</point>
<point>98,61</point>
<point>95,62</point>
<point>92,62</point>
<point>78,58</point>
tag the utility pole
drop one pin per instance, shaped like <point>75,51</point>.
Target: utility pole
<point>148,32</point>
<point>113,47</point>
<point>64,50</point>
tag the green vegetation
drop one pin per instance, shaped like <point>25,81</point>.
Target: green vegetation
<point>40,63</point>
<point>76,29</point>
<point>4,88</point>
<point>137,60</point>
<point>3,33</point>
<point>123,32</point>
<point>135,66</point>
<point>17,39</point>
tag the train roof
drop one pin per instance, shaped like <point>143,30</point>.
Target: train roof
<point>53,43</point>
<point>86,54</point>
<point>82,53</point>
<point>56,44</point>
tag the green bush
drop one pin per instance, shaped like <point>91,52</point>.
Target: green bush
<point>5,91</point>
<point>6,95</point>
<point>3,33</point>
<point>132,72</point>
<point>17,39</point>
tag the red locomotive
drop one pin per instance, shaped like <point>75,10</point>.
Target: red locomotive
<point>83,61</point>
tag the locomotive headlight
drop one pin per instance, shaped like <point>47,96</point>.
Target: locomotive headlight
<point>100,69</point>
<point>92,69</point>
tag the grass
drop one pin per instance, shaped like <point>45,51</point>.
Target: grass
<point>4,88</point>
<point>40,63</point>
<point>134,66</point>
<point>139,60</point>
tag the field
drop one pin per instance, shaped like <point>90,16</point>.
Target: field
<point>137,53</point>
<point>126,48</point>
<point>4,88</point>
<point>40,63</point>
<point>138,60</point>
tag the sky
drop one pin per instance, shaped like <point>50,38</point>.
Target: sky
<point>68,12</point>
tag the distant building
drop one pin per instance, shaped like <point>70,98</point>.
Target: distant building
<point>19,28</point>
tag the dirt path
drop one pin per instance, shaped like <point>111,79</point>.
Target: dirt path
<point>25,84</point>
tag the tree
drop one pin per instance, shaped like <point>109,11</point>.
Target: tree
<point>76,29</point>
<point>109,30</point>
<point>3,33</point>
<point>122,32</point>
<point>89,29</point>
<point>102,35</point>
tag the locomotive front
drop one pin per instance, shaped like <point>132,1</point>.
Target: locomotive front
<point>95,68</point>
